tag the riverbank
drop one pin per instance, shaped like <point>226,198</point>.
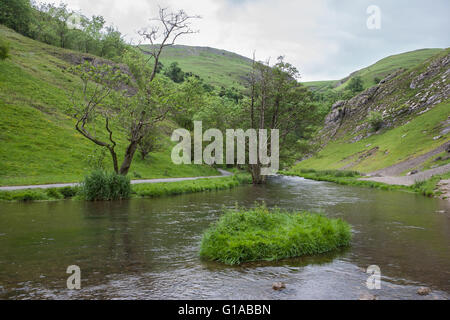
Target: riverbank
<point>429,188</point>
<point>140,188</point>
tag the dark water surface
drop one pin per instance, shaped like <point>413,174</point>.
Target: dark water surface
<point>148,248</point>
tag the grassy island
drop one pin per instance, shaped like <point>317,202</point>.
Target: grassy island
<point>261,234</point>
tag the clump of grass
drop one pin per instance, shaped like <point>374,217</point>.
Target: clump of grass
<point>102,185</point>
<point>261,234</point>
<point>190,186</point>
<point>332,173</point>
<point>23,195</point>
<point>428,187</point>
<point>39,194</point>
<point>69,192</point>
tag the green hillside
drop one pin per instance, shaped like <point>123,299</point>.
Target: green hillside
<point>38,140</point>
<point>321,85</point>
<point>216,67</point>
<point>377,71</point>
<point>415,109</point>
<point>386,66</point>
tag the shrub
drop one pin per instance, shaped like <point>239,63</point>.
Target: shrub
<point>69,192</point>
<point>356,85</point>
<point>375,119</point>
<point>28,195</point>
<point>53,193</point>
<point>260,234</point>
<point>4,50</point>
<point>102,185</point>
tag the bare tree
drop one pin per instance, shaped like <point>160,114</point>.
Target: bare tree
<point>171,26</point>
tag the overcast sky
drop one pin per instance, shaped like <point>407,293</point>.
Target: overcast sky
<point>324,39</point>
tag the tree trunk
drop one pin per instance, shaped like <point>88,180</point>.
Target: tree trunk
<point>257,178</point>
<point>129,154</point>
<point>114,159</point>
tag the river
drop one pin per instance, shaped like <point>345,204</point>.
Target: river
<point>148,248</point>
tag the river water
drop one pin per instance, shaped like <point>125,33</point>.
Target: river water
<point>148,248</point>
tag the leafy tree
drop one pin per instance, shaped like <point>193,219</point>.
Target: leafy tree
<point>16,14</point>
<point>231,93</point>
<point>175,73</point>
<point>356,85</point>
<point>278,101</point>
<point>108,94</point>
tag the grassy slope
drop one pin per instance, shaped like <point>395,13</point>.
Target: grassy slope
<point>380,69</point>
<point>38,141</point>
<point>413,139</point>
<point>395,145</point>
<point>320,85</point>
<point>217,67</point>
<point>385,66</point>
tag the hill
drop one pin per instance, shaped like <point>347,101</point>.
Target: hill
<point>414,109</point>
<point>38,140</point>
<point>215,66</point>
<point>372,74</point>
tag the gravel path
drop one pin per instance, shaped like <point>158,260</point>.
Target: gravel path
<point>61,185</point>
<point>399,168</point>
<point>410,180</point>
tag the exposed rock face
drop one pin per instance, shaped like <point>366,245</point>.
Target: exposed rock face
<point>397,97</point>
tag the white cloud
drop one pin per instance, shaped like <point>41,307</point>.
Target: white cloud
<point>325,39</point>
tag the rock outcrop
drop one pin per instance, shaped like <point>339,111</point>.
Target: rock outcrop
<point>399,96</point>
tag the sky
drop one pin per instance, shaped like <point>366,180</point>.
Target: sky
<point>324,39</point>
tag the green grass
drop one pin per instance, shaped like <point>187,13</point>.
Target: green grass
<point>38,140</point>
<point>427,188</point>
<point>261,234</point>
<point>401,143</point>
<point>145,190</point>
<point>40,194</point>
<point>381,69</point>
<point>216,67</point>
<point>320,85</point>
<point>190,186</point>
<point>433,162</point>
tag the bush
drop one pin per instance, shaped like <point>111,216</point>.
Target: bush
<point>102,185</point>
<point>375,119</point>
<point>356,85</point>
<point>69,192</point>
<point>259,234</point>
<point>4,50</point>
<point>54,193</point>
<point>23,195</point>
